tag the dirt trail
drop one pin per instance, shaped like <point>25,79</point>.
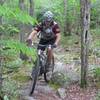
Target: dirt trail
<point>44,92</point>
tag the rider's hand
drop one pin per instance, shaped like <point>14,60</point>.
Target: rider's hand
<point>29,42</point>
<point>55,45</point>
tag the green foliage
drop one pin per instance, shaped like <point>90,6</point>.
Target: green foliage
<point>16,14</point>
<point>10,50</point>
<point>6,97</point>
<point>95,15</point>
<point>10,88</point>
<point>8,30</point>
<point>98,96</point>
<point>19,77</point>
<point>95,32</point>
<point>97,43</point>
<point>13,64</point>
<point>54,85</point>
<point>69,40</point>
<point>2,29</point>
<point>73,10</point>
<point>97,73</point>
<point>17,46</point>
<point>96,40</point>
<point>55,6</point>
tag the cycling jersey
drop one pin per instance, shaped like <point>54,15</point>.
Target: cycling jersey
<point>48,32</point>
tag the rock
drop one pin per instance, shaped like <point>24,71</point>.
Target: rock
<point>60,79</point>
<point>60,67</point>
<point>27,98</point>
<point>44,89</point>
<point>65,74</point>
<point>61,92</point>
<point>24,94</point>
<point>73,76</point>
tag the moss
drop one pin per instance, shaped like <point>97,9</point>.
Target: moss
<point>53,85</point>
<point>98,85</point>
<point>21,78</point>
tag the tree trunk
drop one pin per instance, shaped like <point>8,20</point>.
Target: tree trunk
<point>85,25</point>
<point>1,67</point>
<point>31,13</point>
<point>22,29</point>
<point>31,10</point>
<point>1,3</point>
<point>1,60</point>
<point>65,17</point>
<point>22,7</point>
<point>0,20</point>
<point>67,25</point>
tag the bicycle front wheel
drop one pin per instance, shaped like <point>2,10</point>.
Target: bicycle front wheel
<point>35,75</point>
<point>48,74</point>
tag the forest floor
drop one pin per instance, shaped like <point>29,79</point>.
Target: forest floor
<point>44,91</point>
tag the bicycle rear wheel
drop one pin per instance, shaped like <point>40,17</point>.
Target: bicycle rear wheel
<point>48,74</point>
<point>35,75</point>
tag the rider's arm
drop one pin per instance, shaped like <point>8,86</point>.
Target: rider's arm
<point>58,36</point>
<point>32,34</point>
<point>35,31</point>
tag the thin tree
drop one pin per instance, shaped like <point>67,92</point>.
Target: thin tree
<point>22,29</point>
<point>31,13</point>
<point>1,3</point>
<point>85,27</point>
<point>1,81</point>
<point>1,60</point>
<point>65,17</point>
<point>31,10</point>
<point>67,23</point>
<point>22,7</point>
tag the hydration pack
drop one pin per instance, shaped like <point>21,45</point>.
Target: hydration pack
<point>47,32</point>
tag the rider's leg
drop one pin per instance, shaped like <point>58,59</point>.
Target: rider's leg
<point>50,50</point>
<point>50,55</point>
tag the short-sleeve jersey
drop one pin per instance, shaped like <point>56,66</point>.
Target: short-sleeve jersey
<point>48,32</point>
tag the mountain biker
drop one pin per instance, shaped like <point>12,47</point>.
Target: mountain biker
<point>49,30</point>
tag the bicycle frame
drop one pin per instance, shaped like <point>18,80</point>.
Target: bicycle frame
<point>43,56</point>
<point>40,53</point>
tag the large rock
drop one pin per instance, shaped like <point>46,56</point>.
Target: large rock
<point>65,74</point>
<point>60,79</point>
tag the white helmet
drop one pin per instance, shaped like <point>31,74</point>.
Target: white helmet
<point>48,16</point>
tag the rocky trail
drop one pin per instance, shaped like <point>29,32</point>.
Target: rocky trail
<point>71,89</point>
<point>45,92</point>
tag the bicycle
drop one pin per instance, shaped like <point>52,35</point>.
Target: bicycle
<point>41,66</point>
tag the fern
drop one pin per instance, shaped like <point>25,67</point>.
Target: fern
<point>16,14</point>
<point>17,46</point>
<point>8,29</point>
<point>97,73</point>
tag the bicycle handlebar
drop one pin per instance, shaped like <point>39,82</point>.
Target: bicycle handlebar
<point>47,46</point>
